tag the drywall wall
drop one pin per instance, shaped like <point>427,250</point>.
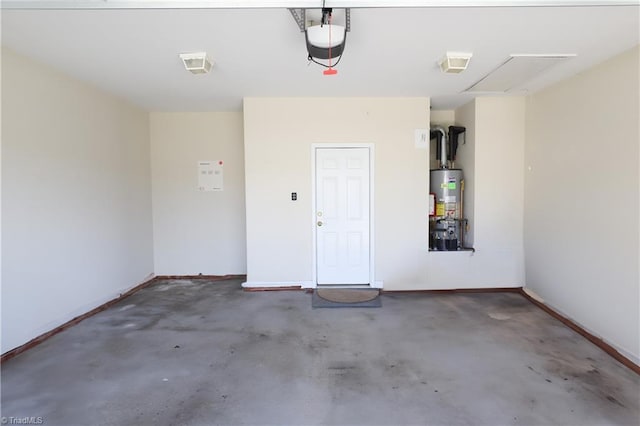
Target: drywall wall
<point>197,231</point>
<point>581,199</point>
<point>466,160</point>
<point>1,199</point>
<point>76,198</point>
<point>279,133</point>
<point>499,176</point>
<point>443,117</point>
<point>492,159</point>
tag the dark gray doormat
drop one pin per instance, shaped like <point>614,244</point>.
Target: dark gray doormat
<point>346,298</point>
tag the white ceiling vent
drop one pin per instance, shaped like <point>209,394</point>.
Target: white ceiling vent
<point>516,71</point>
<point>196,63</point>
<point>455,62</point>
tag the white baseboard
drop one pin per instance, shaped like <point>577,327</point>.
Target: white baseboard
<point>274,284</point>
<point>377,285</point>
<point>301,284</point>
<point>628,354</point>
<point>533,294</point>
<point>308,284</point>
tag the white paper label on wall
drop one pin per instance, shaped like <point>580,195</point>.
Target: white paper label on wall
<point>421,137</point>
<point>210,176</point>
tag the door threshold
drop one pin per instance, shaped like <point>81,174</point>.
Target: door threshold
<point>360,286</point>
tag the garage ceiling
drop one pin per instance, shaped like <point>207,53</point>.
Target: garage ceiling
<point>131,48</point>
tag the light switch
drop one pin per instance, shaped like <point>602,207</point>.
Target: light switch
<point>294,196</point>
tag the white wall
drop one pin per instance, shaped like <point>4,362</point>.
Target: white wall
<point>581,206</point>
<point>278,137</point>
<point>499,179</point>
<point>492,161</point>
<point>466,160</point>
<point>76,202</point>
<point>442,117</point>
<point>197,232</point>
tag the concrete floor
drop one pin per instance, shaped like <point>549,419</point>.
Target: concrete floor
<point>192,353</point>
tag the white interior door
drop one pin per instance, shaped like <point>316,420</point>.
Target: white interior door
<point>342,216</point>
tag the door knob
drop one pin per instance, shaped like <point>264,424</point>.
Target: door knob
<point>319,223</point>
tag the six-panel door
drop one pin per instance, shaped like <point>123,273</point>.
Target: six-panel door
<point>342,215</point>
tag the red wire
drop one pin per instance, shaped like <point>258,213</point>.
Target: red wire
<point>329,41</point>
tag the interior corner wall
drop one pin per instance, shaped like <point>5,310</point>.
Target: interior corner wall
<point>76,198</point>
<point>466,160</point>
<point>279,133</point>
<point>195,231</point>
<point>492,160</point>
<point>582,194</point>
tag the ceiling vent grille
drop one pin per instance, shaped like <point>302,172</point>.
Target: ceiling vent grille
<point>196,63</point>
<point>455,62</point>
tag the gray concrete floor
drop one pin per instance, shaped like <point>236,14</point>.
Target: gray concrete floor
<point>194,352</point>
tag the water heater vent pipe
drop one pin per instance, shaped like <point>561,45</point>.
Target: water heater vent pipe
<point>443,146</point>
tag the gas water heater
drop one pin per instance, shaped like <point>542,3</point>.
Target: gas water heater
<point>446,222</point>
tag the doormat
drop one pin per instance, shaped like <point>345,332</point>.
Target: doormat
<point>346,298</point>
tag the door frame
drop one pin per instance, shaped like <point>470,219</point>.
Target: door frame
<point>314,149</point>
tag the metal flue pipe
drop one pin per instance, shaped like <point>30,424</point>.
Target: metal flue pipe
<point>443,146</point>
